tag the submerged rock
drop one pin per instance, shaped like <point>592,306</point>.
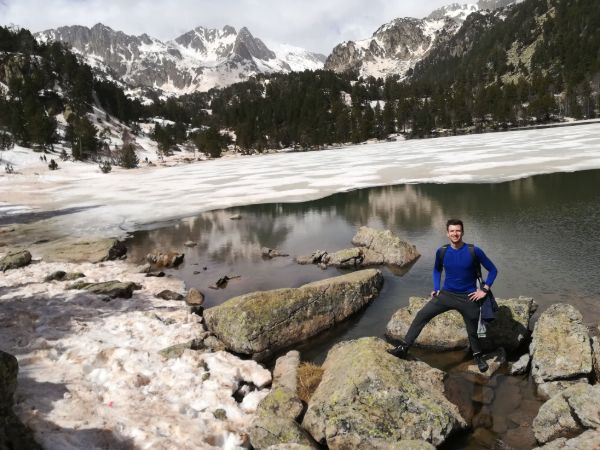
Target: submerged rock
<point>448,331</point>
<point>83,251</point>
<point>165,259</point>
<point>560,348</point>
<point>384,245</point>
<point>261,321</point>
<point>15,260</point>
<point>271,253</point>
<point>110,289</point>
<point>370,399</point>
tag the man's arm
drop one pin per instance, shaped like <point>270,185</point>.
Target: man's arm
<point>437,274</point>
<point>489,266</point>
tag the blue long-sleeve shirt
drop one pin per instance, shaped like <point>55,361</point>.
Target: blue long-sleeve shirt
<point>460,276</point>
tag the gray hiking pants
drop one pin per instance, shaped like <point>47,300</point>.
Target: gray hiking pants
<point>447,301</point>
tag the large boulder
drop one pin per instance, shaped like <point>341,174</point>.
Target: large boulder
<point>370,399</point>
<point>596,357</point>
<point>589,440</point>
<point>269,320</point>
<point>14,260</point>
<point>560,348</point>
<point>275,420</point>
<point>9,368</point>
<point>83,251</point>
<point>277,414</point>
<point>568,413</point>
<point>109,289</point>
<point>13,434</point>
<point>391,249</point>
<point>448,331</point>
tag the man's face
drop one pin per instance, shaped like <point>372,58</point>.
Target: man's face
<point>455,233</point>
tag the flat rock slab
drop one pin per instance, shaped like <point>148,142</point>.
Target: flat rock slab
<point>370,399</point>
<point>494,359</point>
<point>15,260</point>
<point>261,321</point>
<point>93,251</point>
<point>448,331</point>
<point>560,348</point>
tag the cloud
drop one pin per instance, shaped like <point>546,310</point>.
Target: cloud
<point>317,25</point>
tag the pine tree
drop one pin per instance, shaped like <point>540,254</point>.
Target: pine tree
<point>127,157</point>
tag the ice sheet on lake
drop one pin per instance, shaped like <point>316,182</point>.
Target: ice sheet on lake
<point>124,200</point>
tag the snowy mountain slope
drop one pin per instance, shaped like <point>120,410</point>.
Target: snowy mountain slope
<point>399,45</point>
<point>198,60</point>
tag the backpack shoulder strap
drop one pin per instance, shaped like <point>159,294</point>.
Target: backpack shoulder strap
<point>439,262</point>
<point>476,262</point>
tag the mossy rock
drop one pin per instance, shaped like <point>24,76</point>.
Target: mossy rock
<point>447,331</point>
<point>560,348</point>
<point>15,260</point>
<point>266,321</point>
<point>109,289</point>
<point>370,399</point>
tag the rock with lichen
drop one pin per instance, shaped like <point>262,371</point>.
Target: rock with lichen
<point>561,350</point>
<point>108,289</point>
<point>448,331</point>
<point>15,260</point>
<point>384,245</point>
<point>568,413</point>
<point>269,320</point>
<point>370,399</point>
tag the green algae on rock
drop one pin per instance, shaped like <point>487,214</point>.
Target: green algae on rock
<point>448,331</point>
<point>370,399</point>
<point>269,320</point>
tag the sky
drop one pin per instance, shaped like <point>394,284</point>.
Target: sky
<point>317,25</point>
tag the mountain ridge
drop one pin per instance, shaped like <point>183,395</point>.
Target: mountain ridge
<point>198,60</point>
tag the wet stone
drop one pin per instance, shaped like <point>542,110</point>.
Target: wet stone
<point>483,395</point>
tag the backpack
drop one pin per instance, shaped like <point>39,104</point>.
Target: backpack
<point>439,263</point>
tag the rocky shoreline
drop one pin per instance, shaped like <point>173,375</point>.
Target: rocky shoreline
<point>108,351</point>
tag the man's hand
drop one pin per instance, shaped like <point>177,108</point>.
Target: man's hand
<point>477,295</point>
<point>434,294</point>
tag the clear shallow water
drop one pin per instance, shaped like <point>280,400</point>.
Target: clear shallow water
<point>542,233</point>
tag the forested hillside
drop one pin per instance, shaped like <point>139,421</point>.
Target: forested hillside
<point>537,61</point>
<point>40,82</point>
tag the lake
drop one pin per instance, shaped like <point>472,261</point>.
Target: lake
<point>541,232</point>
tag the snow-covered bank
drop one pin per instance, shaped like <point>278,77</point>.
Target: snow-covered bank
<point>86,201</point>
<point>91,375</point>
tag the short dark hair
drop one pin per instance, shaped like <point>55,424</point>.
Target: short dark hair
<point>455,222</point>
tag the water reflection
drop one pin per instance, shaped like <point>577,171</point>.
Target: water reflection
<point>541,232</point>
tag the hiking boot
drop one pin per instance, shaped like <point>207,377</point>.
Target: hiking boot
<point>481,363</point>
<point>399,352</point>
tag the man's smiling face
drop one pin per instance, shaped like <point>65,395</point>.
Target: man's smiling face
<point>455,234</point>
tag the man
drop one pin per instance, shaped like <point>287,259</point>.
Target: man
<point>460,291</point>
